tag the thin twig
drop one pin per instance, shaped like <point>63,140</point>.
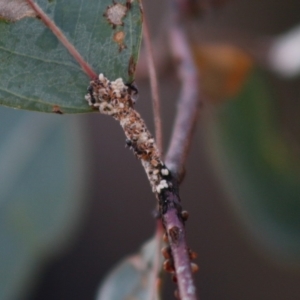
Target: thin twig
<point>159,141</point>
<point>188,104</point>
<point>62,38</point>
<point>161,52</point>
<point>154,87</point>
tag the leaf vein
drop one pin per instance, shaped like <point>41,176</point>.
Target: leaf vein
<point>40,59</point>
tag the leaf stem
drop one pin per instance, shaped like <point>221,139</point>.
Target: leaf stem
<point>154,87</point>
<point>62,38</point>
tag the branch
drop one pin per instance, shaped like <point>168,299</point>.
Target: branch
<point>114,98</point>
<point>187,113</point>
<point>180,262</point>
<point>185,121</point>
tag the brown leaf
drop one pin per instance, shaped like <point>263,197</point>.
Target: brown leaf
<point>223,68</point>
<point>14,10</point>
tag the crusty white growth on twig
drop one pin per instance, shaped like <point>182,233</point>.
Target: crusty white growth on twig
<point>114,98</point>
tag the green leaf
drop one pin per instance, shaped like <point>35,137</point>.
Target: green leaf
<point>42,183</point>
<point>134,277</point>
<point>260,169</point>
<point>38,73</point>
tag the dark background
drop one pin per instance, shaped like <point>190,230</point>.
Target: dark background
<point>119,201</point>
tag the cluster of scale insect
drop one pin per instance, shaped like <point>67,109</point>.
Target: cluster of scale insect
<point>116,99</point>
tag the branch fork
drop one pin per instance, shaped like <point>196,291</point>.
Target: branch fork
<point>115,98</point>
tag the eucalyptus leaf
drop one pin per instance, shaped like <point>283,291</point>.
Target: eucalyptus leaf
<point>42,182</point>
<point>260,169</point>
<point>133,277</point>
<point>38,73</point>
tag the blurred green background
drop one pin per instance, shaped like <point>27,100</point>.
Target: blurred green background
<point>241,188</point>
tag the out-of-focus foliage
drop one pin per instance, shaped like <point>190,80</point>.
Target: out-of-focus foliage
<point>133,277</point>
<point>42,181</point>
<point>260,168</point>
<point>223,69</point>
